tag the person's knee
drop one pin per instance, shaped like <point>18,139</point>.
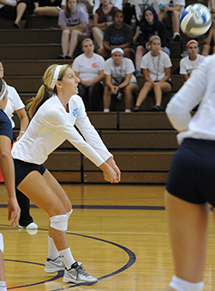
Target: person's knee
<point>59,222</point>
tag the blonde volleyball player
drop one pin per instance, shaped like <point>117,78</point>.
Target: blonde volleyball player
<point>7,167</point>
<point>55,112</point>
<point>191,184</point>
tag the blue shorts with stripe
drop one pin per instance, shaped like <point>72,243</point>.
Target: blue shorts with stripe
<point>192,172</point>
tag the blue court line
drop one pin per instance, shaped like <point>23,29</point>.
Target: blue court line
<point>107,207</point>
<point>130,262</point>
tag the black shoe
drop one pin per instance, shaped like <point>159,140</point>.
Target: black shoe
<point>156,108</point>
<point>136,108</point>
<point>68,57</point>
<point>61,57</point>
<point>16,25</point>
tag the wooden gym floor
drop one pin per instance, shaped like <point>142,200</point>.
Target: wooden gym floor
<point>119,232</point>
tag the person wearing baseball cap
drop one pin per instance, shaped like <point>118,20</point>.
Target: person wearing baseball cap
<point>192,60</point>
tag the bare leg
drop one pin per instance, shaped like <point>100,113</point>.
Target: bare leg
<point>74,41</point>
<point>188,228</point>
<point>131,88</point>
<point>98,37</point>
<point>107,98</point>
<point>47,11</point>
<point>65,41</point>
<point>175,21</point>
<point>140,51</point>
<point>2,277</point>
<point>143,93</point>
<point>40,190</point>
<point>20,9</point>
<point>206,50</point>
<point>158,89</point>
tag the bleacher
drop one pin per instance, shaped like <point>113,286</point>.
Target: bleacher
<point>142,143</point>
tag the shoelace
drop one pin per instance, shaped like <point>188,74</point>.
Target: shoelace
<point>80,271</point>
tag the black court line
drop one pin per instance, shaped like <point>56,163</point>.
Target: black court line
<point>108,207</point>
<point>130,262</point>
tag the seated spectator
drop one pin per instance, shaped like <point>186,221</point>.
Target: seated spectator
<point>47,7</point>
<point>102,18</point>
<point>89,68</point>
<point>15,10</point>
<point>73,22</point>
<point>86,5</point>
<point>120,81</point>
<point>116,3</point>
<point>156,67</point>
<point>209,38</point>
<point>192,61</point>
<point>150,26</point>
<point>170,15</point>
<point>118,35</point>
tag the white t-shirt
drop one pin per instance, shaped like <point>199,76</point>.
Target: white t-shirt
<point>14,103</point>
<point>116,3</point>
<point>52,125</point>
<point>88,68</point>
<point>199,88</point>
<point>173,3</point>
<point>118,73</point>
<point>156,65</point>
<point>187,66</point>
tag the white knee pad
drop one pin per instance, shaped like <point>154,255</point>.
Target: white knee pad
<point>59,222</point>
<point>69,213</point>
<point>182,285</point>
<point>1,243</point>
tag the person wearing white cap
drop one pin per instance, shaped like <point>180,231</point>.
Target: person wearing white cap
<point>7,167</point>
<point>56,111</point>
<point>120,80</point>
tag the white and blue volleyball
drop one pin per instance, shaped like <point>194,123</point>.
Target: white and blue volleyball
<point>195,20</point>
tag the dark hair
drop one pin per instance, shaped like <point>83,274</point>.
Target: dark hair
<point>67,11</point>
<point>118,11</point>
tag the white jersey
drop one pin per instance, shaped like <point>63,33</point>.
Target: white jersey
<point>14,103</point>
<point>156,65</point>
<point>200,87</point>
<point>52,125</point>
<point>118,73</point>
<point>88,68</point>
<point>187,66</point>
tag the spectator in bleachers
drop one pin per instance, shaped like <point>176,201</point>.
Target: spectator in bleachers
<point>120,81</point>
<point>117,34</point>
<point>209,38</point>
<point>156,67</point>
<point>150,26</point>
<point>102,18</point>
<point>47,7</point>
<point>86,5</point>
<point>14,10</point>
<point>116,3</point>
<point>89,68</point>
<point>15,104</point>
<point>192,61</point>
<point>170,13</point>
<point>73,22</point>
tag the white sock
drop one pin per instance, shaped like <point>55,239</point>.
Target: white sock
<point>127,110</point>
<point>3,286</point>
<point>106,110</point>
<point>176,33</point>
<point>67,257</point>
<point>52,250</point>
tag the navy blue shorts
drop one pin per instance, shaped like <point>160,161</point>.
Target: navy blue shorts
<point>192,172</point>
<point>22,169</point>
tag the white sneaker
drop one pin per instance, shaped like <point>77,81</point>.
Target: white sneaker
<point>31,225</point>
<point>77,275</point>
<point>56,265</point>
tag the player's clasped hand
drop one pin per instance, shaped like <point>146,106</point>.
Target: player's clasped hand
<point>111,172</point>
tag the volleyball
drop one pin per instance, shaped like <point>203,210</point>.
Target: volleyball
<point>195,20</point>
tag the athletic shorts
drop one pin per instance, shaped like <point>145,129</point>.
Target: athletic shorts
<point>192,172</point>
<point>22,169</point>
